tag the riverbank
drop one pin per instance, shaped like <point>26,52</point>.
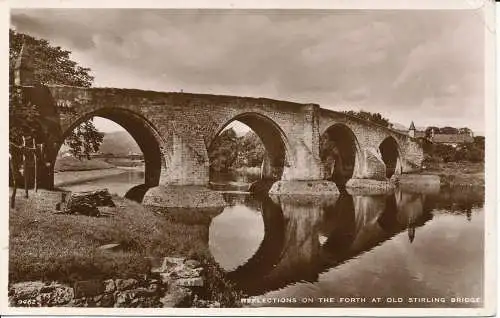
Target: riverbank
<point>122,244</point>
<point>73,164</point>
<point>458,174</point>
<point>65,178</point>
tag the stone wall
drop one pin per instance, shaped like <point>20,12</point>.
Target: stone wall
<point>173,282</point>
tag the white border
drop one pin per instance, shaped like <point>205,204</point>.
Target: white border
<point>491,118</point>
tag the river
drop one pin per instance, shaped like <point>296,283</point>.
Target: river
<point>406,249</point>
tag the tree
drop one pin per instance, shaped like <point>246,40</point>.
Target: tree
<point>465,131</point>
<point>430,130</point>
<point>373,117</point>
<point>224,151</point>
<point>448,130</point>
<point>51,65</point>
<point>251,148</point>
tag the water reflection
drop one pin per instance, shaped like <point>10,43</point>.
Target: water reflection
<point>304,237</point>
<point>412,242</point>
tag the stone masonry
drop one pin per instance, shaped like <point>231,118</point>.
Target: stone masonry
<point>175,131</point>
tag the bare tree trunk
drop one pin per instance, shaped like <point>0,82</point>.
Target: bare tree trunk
<point>13,170</point>
<point>25,169</point>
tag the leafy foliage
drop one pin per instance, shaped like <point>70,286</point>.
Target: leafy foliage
<point>51,65</point>
<point>224,151</point>
<point>23,118</point>
<point>448,130</point>
<point>229,151</point>
<point>250,151</point>
<point>84,140</point>
<point>373,117</point>
<point>430,130</point>
<point>472,152</point>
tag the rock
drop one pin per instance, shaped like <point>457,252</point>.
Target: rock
<point>165,278</point>
<point>107,300</point>
<point>88,288</point>
<point>176,296</point>
<point>189,282</point>
<point>61,295</point>
<point>124,284</point>
<point>169,262</point>
<point>122,299</point>
<point>47,289</point>
<point>40,294</point>
<point>191,263</point>
<point>133,297</point>
<point>26,290</point>
<point>109,286</point>
<point>154,287</point>
<point>214,304</point>
<point>186,272</point>
<point>200,303</point>
<point>156,264</point>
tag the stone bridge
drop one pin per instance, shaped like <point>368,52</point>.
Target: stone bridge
<point>176,130</point>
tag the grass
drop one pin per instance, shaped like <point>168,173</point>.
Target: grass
<point>125,162</point>
<point>47,246</point>
<point>458,173</point>
<point>65,178</point>
<point>74,164</point>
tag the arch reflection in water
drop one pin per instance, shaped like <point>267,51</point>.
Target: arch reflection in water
<point>248,225</point>
<point>303,238</point>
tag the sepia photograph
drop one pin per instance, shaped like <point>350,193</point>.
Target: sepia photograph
<point>267,160</point>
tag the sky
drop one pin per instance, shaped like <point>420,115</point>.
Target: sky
<point>425,65</point>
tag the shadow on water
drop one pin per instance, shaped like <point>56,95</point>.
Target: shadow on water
<point>305,238</point>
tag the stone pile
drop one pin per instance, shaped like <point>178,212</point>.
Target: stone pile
<point>173,282</point>
<point>86,203</point>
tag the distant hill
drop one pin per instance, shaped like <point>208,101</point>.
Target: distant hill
<point>117,143</point>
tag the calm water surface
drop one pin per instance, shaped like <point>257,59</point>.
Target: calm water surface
<point>300,251</point>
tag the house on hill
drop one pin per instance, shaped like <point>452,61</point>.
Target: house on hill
<point>463,136</point>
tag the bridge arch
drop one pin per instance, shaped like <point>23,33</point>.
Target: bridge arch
<point>142,131</point>
<point>277,156</point>
<point>391,156</point>
<point>340,153</point>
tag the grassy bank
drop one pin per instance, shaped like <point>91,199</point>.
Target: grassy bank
<point>65,178</point>
<point>458,173</point>
<point>65,248</point>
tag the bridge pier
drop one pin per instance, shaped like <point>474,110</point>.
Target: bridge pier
<point>185,177</point>
<point>370,175</point>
